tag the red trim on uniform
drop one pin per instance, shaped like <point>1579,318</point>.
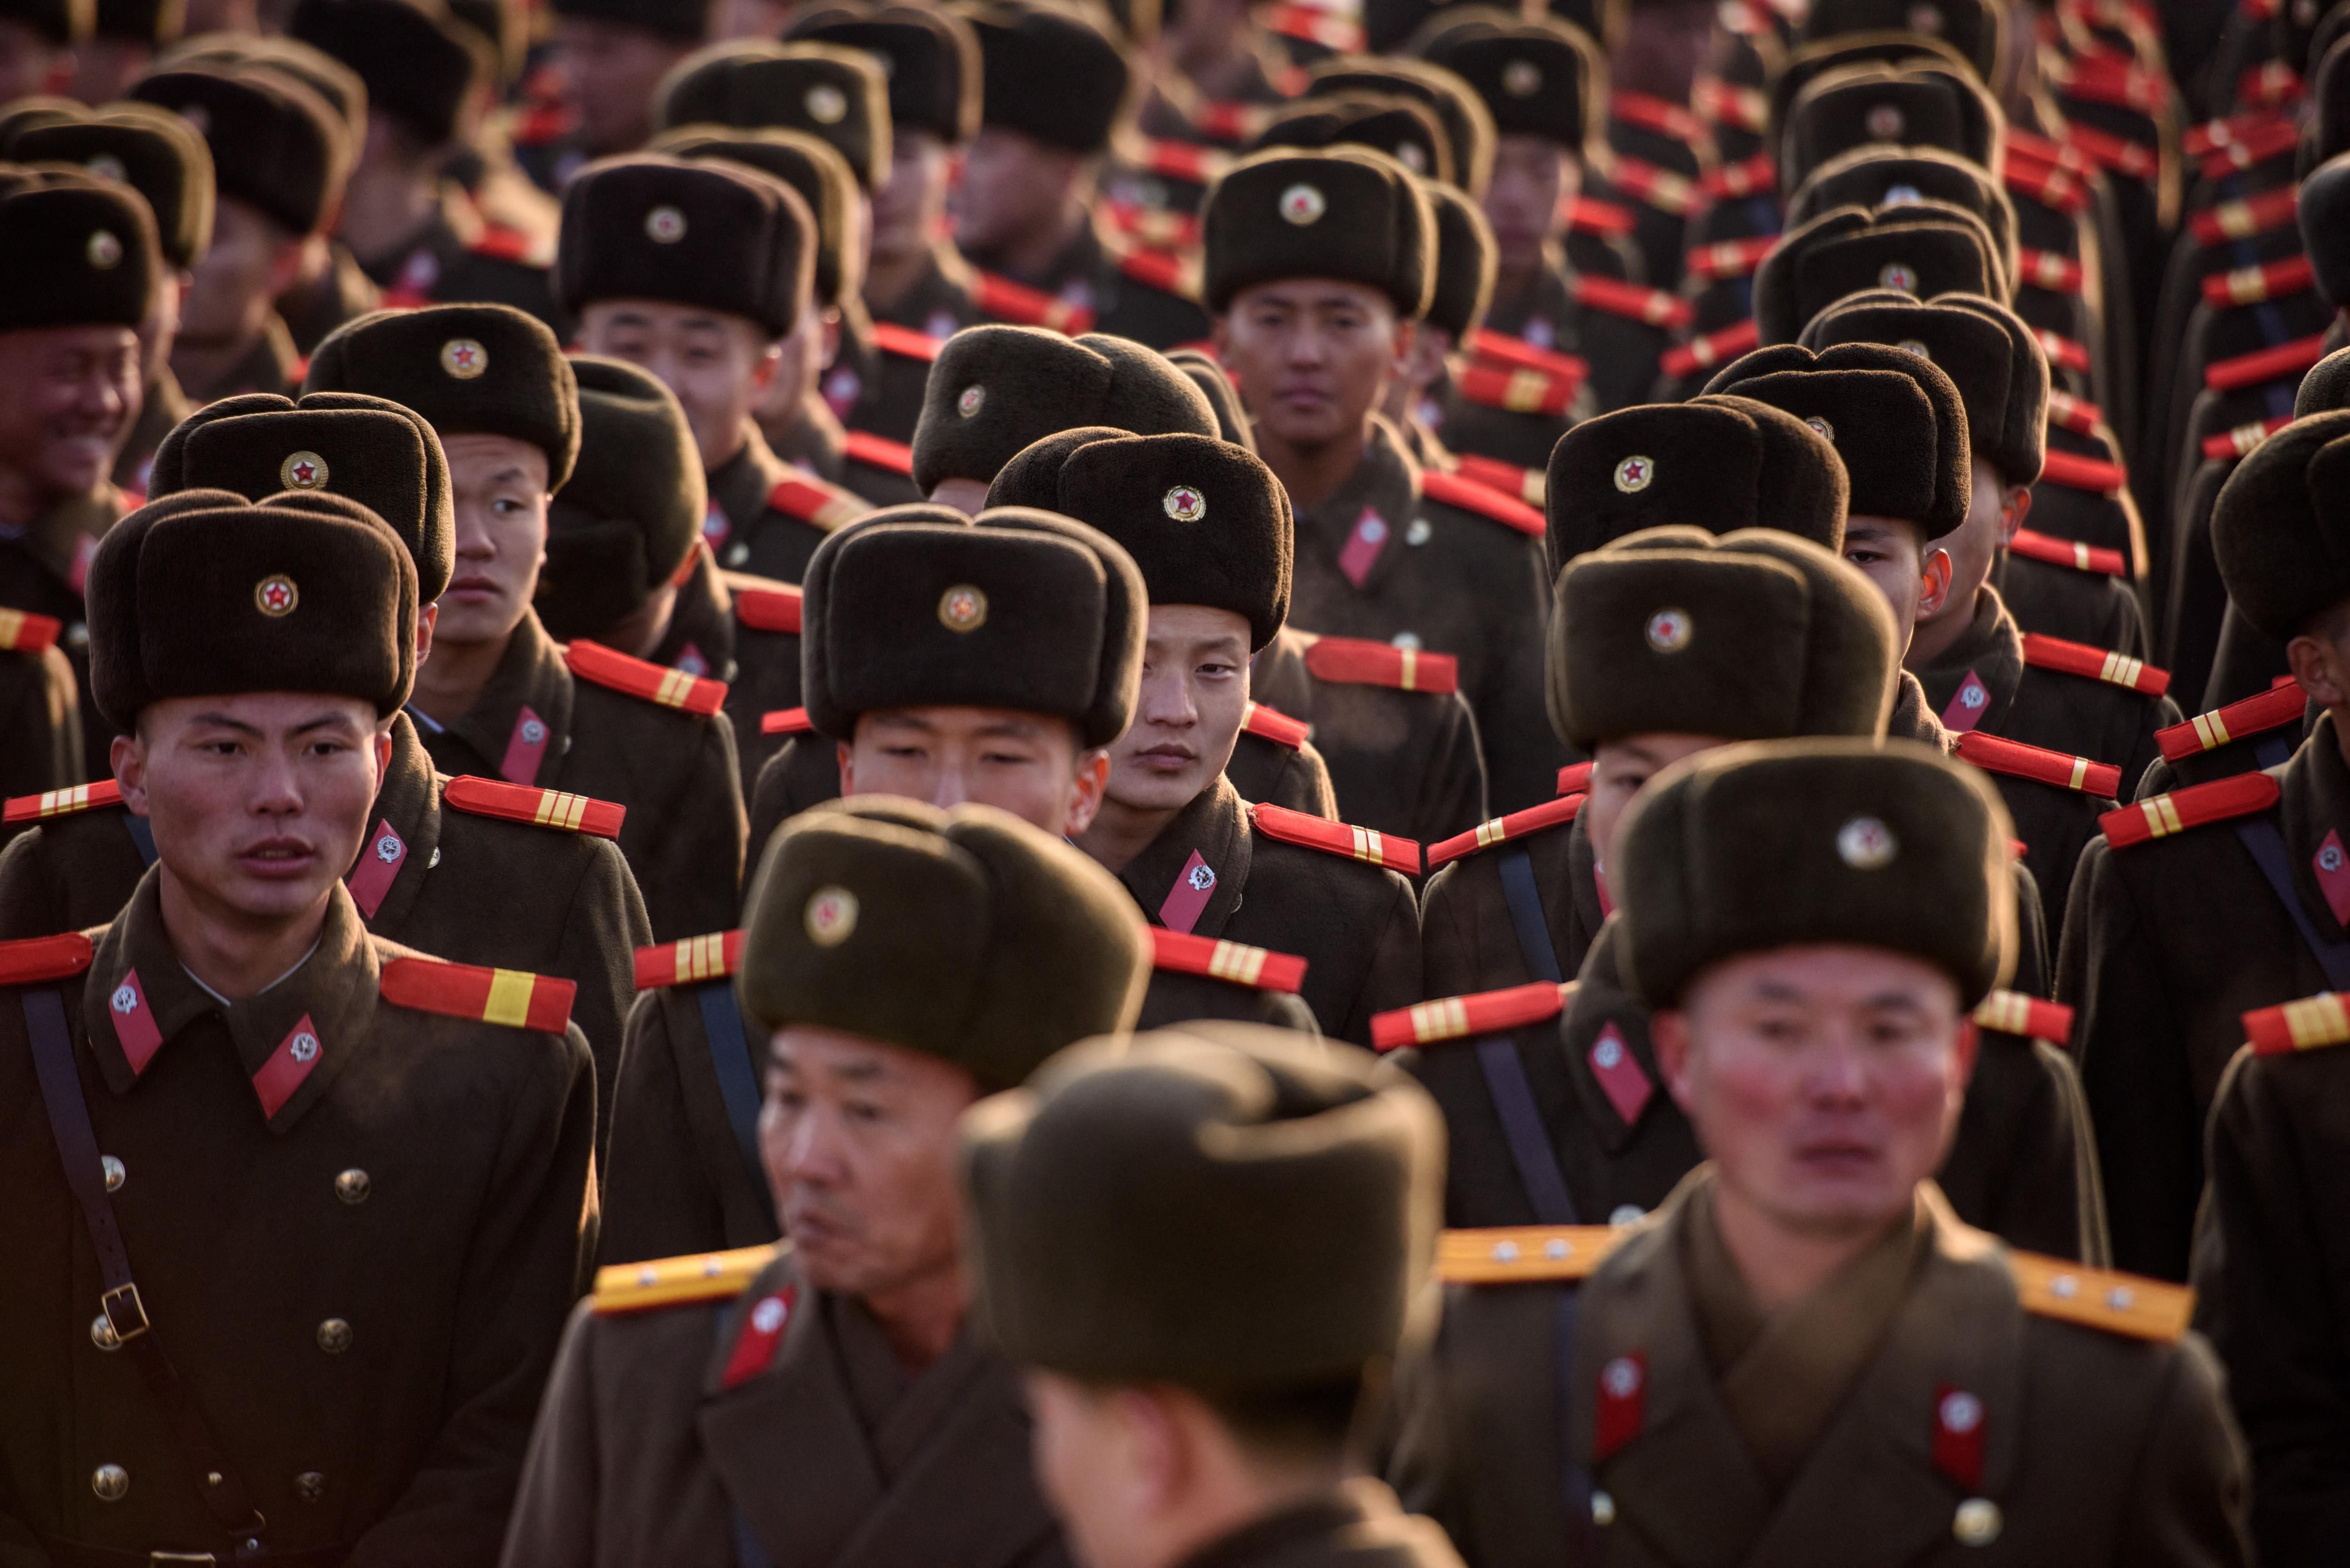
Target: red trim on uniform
<point>2272,709</point>
<point>878,451</point>
<point>1470,496</point>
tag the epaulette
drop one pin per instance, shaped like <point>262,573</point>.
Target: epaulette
<point>2265,364</point>
<point>678,1281</point>
<point>39,959</point>
<point>2046,152</point>
<point>2272,84</point>
<point>1261,968</point>
<point>1651,307</point>
<point>906,342</point>
<point>2076,414</point>
<point>1228,120</point>
<point>2107,79</point>
<point>1311,25</point>
<point>542,124</point>
<point>1728,258</point>
<point>2044,652</point>
<point>2014,1012</point>
<point>1518,354</point>
<point>1574,778</point>
<point>1993,753</point>
<point>1590,215</point>
<point>499,243</point>
<point>1337,838</point>
<point>2049,184</point>
<point>1528,485</point>
<point>777,609</point>
<point>1501,829</point>
<point>2312,1022</point>
<point>2252,285</point>
<point>1517,391</point>
<point>512,997</point>
<point>1465,1017</point>
<point>2272,709</point>
<point>2101,1298</point>
<point>21,631</point>
<point>62,802</point>
<point>1728,103</point>
<point>1668,192</point>
<point>1168,274</point>
<point>1645,111</point>
<point>710,957</point>
<point>1736,182</point>
<point>2046,269</point>
<point>1714,348</point>
<point>2241,219</point>
<point>633,677</point>
<point>1273,724</point>
<point>878,451</point>
<point>2034,545</point>
<point>2118,153</point>
<point>2198,806</point>
<point>540,808</point>
<point>2239,441</point>
<point>2196,140</point>
<point>2065,353</point>
<point>2075,472</point>
<point>1470,496</point>
<point>1017,303</point>
<point>1153,228</point>
<point>1186,161</point>
<point>1522,1254</point>
<point>1359,661</point>
<point>787,721</point>
<point>818,502</point>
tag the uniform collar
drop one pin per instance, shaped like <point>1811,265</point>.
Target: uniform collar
<point>1990,652</point>
<point>1911,720</point>
<point>739,486</point>
<point>1385,485</point>
<point>403,835</point>
<point>701,623</point>
<point>530,676</point>
<point>817,442</point>
<point>2316,805</point>
<point>1545,298</point>
<point>1163,880</point>
<point>62,537</point>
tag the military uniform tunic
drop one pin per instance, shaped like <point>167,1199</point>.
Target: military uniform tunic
<point>41,569</point>
<point>40,720</point>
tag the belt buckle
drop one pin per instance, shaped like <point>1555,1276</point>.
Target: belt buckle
<point>128,1314</point>
<point>165,1559</point>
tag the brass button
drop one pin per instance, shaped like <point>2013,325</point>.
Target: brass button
<point>113,1170</point>
<point>102,1334</point>
<point>1603,1509</point>
<point>334,1336</point>
<point>111,1482</point>
<point>1977,1522</point>
<point>352,1186</point>
<point>309,1486</point>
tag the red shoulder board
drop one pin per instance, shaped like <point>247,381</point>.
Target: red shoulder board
<point>2159,817</point>
<point>670,688</point>
<point>1574,778</point>
<point>2078,414</point>
<point>512,997</point>
<point>710,957</point>
<point>1652,305</point>
<point>906,342</point>
<point>818,503</point>
<point>1714,348</point>
<point>1155,228</point>
<point>1517,391</point>
<point>776,608</point>
<point>2196,140</point>
<point>2243,219</point>
<point>1017,303</point>
<point>2270,85</point>
<point>2034,545</point>
<point>1517,825</point>
<point>2044,652</point>
<point>1649,112</point>
<point>1337,838</point>
<point>1591,215</point>
<point>1177,275</point>
<point>2251,285</point>
<point>1470,496</point>
<point>2014,1012</point>
<point>1273,724</point>
<point>543,123</point>
<point>2063,351</point>
<point>1184,953</point>
<point>878,451</point>
<point>1652,186</point>
<point>2265,364</point>
<point>1462,1017</point>
<point>2272,141</point>
<point>1312,25</point>
<point>2108,80</point>
<point>2118,153</point>
<point>63,802</point>
<point>1225,120</point>
<point>2046,269</point>
<point>1185,160</point>
<point>42,958</point>
<point>2048,184</point>
<point>2303,1025</point>
<point>2075,472</point>
<point>1359,661</point>
<point>2272,709</point>
<point>1528,485</point>
<point>1727,103</point>
<point>1729,258</point>
<point>1735,181</point>
<point>1994,754</point>
<point>786,721</point>
<point>541,807</point>
<point>21,631</point>
<point>2240,441</point>
<point>1518,354</point>
<point>502,244</point>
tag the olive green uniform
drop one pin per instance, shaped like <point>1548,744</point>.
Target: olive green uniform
<point>41,569</point>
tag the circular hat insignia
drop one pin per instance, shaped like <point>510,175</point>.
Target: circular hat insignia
<point>962,609</point>
<point>1669,630</point>
<point>1865,843</point>
<point>305,1047</point>
<point>1522,79</point>
<point>827,103</point>
<point>1303,205</point>
<point>973,398</point>
<point>665,225</point>
<point>1916,346</point>
<point>104,249</point>
<point>1896,274</point>
<point>1634,474</point>
<point>303,470</point>
<point>1412,157</point>
<point>831,916</point>
<point>1825,430</point>
<point>1185,504</point>
<point>1902,196</point>
<point>387,849</point>
<point>1884,121</point>
<point>276,595</point>
<point>107,166</point>
<point>464,358</point>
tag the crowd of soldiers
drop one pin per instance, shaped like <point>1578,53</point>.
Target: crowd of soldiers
<point>1212,785</point>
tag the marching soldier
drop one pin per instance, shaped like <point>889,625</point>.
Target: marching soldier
<point>41,716</point>
<point>610,57</point>
<point>122,45</point>
<point>263,1151</point>
<point>497,697</point>
<point>1206,1248</point>
<point>899,962</point>
<point>1805,1352</point>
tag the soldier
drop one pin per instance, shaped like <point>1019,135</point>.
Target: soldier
<point>1206,1248</point>
<point>1806,1351</point>
<point>257,1146</point>
<point>1318,266</point>
<point>899,962</point>
<point>122,45</point>
<point>497,697</point>
<point>41,716</point>
<point>38,38</point>
<point>610,57</point>
<point>1209,527</point>
<point>79,270</point>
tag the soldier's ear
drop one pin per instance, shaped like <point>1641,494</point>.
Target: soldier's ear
<point>1669,1035</point>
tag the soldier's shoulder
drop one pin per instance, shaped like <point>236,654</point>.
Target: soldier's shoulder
<point>1450,1018</point>
<point>2113,1305</point>
<point>763,604</point>
<point>1529,1254</point>
<point>1359,662</point>
<point>40,960</point>
<point>2180,813</point>
<point>418,985</point>
<point>1450,495</point>
<point>2283,703</point>
<point>1336,850</point>
<point>490,810</point>
<point>651,690</point>
<point>696,1278</point>
<point>1517,827</point>
<point>48,805</point>
<point>2126,678</point>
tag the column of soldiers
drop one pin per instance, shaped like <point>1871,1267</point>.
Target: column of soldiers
<point>1182,786</point>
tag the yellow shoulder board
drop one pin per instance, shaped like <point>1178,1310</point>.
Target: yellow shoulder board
<point>1519,1254</point>
<point>674,1282</point>
<point>2100,1298</point>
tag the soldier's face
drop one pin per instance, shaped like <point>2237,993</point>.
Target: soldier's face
<point>718,365</point>
<point>68,396</point>
<point>498,486</point>
<point>1029,765</point>
<point>1974,545</point>
<point>251,261</point>
<point>1313,357</point>
<point>1824,1082</point>
<point>1188,714</point>
<point>857,1138</point>
<point>610,70</point>
<point>1891,553</point>
<point>29,63</point>
<point>1012,187</point>
<point>1620,770</point>
<point>258,801</point>
<point>1534,178</point>
<point>909,207</point>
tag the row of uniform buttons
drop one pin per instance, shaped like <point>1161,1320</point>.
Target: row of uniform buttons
<point>113,1483</point>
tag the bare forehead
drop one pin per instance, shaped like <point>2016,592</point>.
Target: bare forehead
<point>1827,976</point>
